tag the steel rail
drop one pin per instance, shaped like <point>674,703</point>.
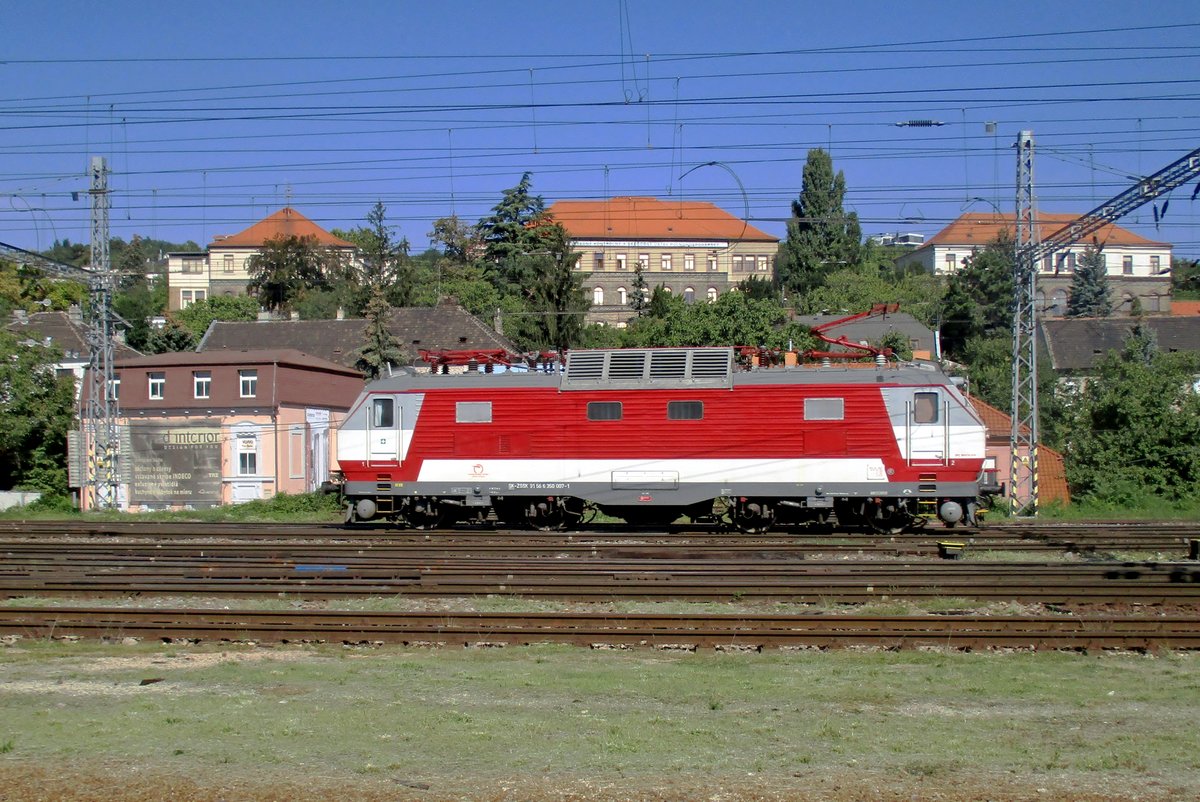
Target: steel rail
<point>740,632</point>
<point>319,574</point>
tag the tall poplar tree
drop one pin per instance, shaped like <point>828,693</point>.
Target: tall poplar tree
<point>821,235</point>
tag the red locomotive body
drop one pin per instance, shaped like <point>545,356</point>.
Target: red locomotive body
<point>648,435</point>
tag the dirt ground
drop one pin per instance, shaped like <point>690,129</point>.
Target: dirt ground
<point>21,782</point>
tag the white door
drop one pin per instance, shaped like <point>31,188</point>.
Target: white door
<point>383,429</point>
<point>927,422</point>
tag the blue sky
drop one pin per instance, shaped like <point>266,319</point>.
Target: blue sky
<point>212,120</point>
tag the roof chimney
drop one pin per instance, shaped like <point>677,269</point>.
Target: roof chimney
<point>75,313</point>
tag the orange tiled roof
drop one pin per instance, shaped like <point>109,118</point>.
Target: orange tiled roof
<point>1185,307</point>
<point>1052,469</point>
<point>286,222</point>
<point>651,218</point>
<point>981,228</point>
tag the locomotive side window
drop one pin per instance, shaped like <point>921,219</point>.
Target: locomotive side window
<point>473,412</point>
<point>604,410</point>
<point>824,409</point>
<point>383,412</point>
<point>925,407</point>
<point>685,410</point>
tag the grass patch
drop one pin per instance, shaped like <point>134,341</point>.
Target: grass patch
<point>402,712</point>
<point>283,508</point>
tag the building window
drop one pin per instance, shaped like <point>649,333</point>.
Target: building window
<point>711,294</point>
<point>685,410</point>
<point>1127,265</point>
<point>644,261</point>
<point>689,295</point>
<point>737,264</point>
<point>666,261</point>
<point>247,462</point>
<point>621,261</point>
<point>598,260</point>
<point>925,407</point>
<point>157,385</point>
<point>763,264</point>
<point>1154,265</point>
<point>473,412</point>
<point>1047,263</point>
<point>114,389</point>
<point>193,265</point>
<point>951,262</point>
<point>597,296</point>
<point>248,383</point>
<point>228,263</point>
<point>824,408</point>
<point>604,410</point>
<point>1070,263</point>
<point>622,296</point>
<point>202,383</point>
<point>712,263</point>
<point>689,261</point>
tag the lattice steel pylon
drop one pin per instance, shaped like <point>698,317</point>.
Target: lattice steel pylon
<point>1030,249</point>
<point>1023,488</point>
<point>101,411</point>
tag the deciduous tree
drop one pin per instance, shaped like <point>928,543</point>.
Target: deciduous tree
<point>1135,432</point>
<point>979,297</point>
<point>36,412</point>
<point>286,268</point>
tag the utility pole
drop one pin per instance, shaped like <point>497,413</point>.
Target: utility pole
<point>101,411</point>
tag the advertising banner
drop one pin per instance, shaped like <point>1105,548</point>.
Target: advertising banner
<point>176,463</point>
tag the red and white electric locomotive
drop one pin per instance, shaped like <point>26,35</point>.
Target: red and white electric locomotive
<point>648,435</point>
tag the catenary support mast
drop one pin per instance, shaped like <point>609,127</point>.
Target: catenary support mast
<point>1031,249</point>
<point>101,412</point>
<point>1024,435</point>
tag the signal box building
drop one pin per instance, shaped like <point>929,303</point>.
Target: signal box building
<point>1138,268</point>
<point>693,249</point>
<point>206,429</point>
<point>224,268</point>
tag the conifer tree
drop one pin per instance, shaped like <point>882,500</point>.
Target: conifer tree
<point>1090,294</point>
<point>381,347</point>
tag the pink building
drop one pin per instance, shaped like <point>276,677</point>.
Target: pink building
<point>223,427</point>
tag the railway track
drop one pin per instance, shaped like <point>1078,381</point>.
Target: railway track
<point>1097,537</point>
<point>689,632</point>
<point>579,573</point>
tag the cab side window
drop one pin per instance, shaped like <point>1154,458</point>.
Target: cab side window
<point>383,412</point>
<point>925,407</point>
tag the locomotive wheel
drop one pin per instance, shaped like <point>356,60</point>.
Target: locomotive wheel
<point>753,517</point>
<point>545,515</point>
<point>885,520</point>
<point>424,513</point>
